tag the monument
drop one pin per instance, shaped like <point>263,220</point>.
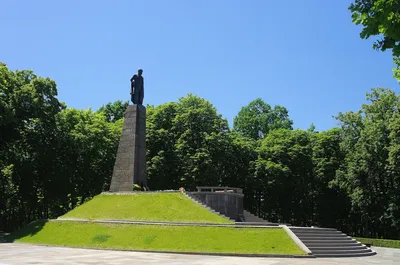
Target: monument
<point>130,163</point>
<point>137,88</point>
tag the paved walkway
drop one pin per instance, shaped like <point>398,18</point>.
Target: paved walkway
<point>23,254</point>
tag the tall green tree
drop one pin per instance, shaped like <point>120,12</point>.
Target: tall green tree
<point>237,157</point>
<point>284,172</point>
<point>369,173</point>
<point>258,118</point>
<point>183,140</point>
<point>114,111</point>
<point>28,109</point>
<point>380,18</point>
<point>88,149</point>
<point>162,161</point>
<point>51,158</point>
<point>330,204</point>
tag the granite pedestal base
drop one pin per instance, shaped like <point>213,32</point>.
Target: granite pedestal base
<point>130,163</point>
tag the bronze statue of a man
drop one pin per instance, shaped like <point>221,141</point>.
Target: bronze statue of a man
<point>137,88</point>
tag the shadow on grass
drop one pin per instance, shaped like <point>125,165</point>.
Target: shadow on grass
<point>29,230</point>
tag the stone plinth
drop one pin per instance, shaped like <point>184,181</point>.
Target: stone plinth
<point>130,163</point>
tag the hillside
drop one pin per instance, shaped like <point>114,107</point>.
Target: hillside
<point>164,207</point>
<point>159,238</point>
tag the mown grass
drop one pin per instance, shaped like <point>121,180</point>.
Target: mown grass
<point>387,243</point>
<point>167,207</point>
<point>159,238</point>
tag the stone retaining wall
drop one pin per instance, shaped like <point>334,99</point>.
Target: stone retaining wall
<point>228,204</point>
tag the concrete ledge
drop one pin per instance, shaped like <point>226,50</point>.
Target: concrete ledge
<point>296,240</point>
<point>312,227</point>
<point>219,189</point>
<point>184,253</point>
<point>135,222</point>
<point>138,192</point>
<point>258,223</point>
<point>215,193</point>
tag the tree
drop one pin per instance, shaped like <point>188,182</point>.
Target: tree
<point>284,166</point>
<point>114,111</point>
<point>51,158</point>
<point>380,18</point>
<point>183,140</point>
<point>369,174</point>
<point>162,161</point>
<point>88,152</point>
<point>28,107</point>
<point>238,154</point>
<point>328,156</point>
<point>258,118</point>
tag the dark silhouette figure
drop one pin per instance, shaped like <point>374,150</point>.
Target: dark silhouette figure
<point>137,88</point>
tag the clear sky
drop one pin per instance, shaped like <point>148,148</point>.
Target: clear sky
<point>304,55</point>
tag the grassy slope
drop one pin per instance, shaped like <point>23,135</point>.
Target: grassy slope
<point>166,238</point>
<point>167,207</point>
<point>380,242</point>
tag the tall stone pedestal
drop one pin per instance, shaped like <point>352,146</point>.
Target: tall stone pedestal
<point>130,163</point>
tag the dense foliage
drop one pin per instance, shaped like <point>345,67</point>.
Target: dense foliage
<point>258,118</point>
<point>380,18</point>
<point>53,158</point>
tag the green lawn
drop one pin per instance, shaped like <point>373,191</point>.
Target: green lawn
<point>154,237</point>
<point>167,207</point>
<point>387,243</point>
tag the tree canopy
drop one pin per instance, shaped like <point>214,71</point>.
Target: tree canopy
<point>380,18</point>
<point>258,118</point>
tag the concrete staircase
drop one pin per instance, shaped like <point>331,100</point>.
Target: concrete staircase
<point>249,217</point>
<point>328,242</point>
<point>198,201</point>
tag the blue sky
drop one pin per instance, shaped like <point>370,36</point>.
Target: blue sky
<point>304,55</point>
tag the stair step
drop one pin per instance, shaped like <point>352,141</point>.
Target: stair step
<point>257,223</point>
<point>349,251</point>
<point>311,244</point>
<point>197,200</point>
<point>309,229</point>
<point>311,241</point>
<point>320,235</point>
<point>349,247</point>
<point>325,238</point>
<point>322,238</point>
<point>329,242</point>
<point>249,216</point>
<point>337,255</point>
<point>314,232</point>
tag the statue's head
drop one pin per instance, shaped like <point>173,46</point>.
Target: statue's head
<point>140,72</point>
